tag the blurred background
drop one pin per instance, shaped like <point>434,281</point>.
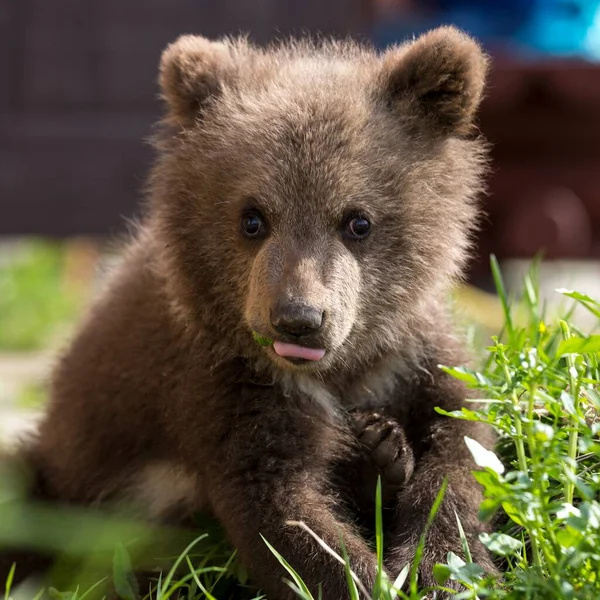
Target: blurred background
<point>78,99</point>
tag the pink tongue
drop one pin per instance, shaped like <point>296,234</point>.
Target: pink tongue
<point>294,351</point>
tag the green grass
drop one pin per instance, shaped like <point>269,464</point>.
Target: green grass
<point>36,303</point>
<point>538,387</point>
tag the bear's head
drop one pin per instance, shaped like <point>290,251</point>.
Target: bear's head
<point>320,195</point>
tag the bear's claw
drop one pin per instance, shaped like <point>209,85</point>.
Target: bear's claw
<point>385,449</point>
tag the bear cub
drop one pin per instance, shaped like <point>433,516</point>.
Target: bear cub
<point>321,196</point>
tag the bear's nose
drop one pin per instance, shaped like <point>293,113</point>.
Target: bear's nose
<point>295,318</point>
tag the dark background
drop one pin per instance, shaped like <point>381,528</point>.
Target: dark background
<point>82,96</point>
<point>79,97</point>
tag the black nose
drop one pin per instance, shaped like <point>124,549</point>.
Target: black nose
<point>294,318</point>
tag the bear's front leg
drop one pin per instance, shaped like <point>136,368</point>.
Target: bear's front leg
<point>440,452</point>
<point>270,468</point>
<point>462,499</point>
<point>249,510</point>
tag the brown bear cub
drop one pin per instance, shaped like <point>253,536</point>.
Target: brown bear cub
<point>322,196</point>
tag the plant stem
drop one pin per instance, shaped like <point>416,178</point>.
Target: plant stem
<point>574,429</point>
<point>520,446</point>
<point>521,457</point>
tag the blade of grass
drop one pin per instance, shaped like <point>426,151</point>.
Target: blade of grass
<point>9,581</point>
<point>351,583</point>
<point>124,581</point>
<point>171,574</point>
<point>530,293</point>
<point>331,552</point>
<point>573,428</point>
<point>421,546</point>
<point>159,587</point>
<point>197,579</point>
<point>225,569</point>
<point>501,290</point>
<point>586,301</point>
<point>93,587</point>
<point>463,540</point>
<point>297,591</point>
<point>297,579</point>
<point>187,578</point>
<point>378,538</point>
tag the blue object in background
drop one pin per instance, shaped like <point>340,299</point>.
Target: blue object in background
<point>564,28</point>
<point>526,28</point>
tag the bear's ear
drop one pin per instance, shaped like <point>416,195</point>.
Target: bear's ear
<point>439,78</point>
<point>192,72</point>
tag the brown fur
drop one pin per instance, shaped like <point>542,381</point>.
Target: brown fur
<point>164,393</point>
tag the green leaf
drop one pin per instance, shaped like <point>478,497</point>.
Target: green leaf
<point>500,543</point>
<point>487,509</point>
<point>576,345</point>
<point>441,573</point>
<point>401,579</point>
<point>455,562</point>
<point>482,457</point>
<point>569,537</point>
<point>461,373</point>
<point>261,340</point>
<point>513,513</point>
<point>567,402</point>
<point>465,414</point>
<point>462,571</point>
<point>125,583</point>
<point>587,301</point>
<point>491,482</point>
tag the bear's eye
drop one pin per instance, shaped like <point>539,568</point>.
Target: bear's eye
<point>357,227</point>
<point>253,224</point>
